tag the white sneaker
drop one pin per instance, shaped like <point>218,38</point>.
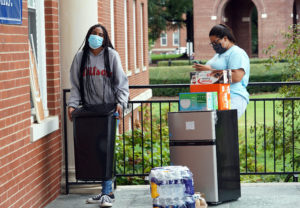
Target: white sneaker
<point>107,200</point>
<point>104,199</point>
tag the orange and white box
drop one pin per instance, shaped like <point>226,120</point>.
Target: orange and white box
<point>223,91</point>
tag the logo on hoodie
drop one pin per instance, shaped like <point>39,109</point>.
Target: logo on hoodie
<point>94,71</point>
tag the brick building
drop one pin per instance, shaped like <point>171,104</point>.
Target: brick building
<point>271,16</point>
<point>171,42</point>
<point>31,156</point>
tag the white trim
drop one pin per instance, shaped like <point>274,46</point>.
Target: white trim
<point>112,23</point>
<point>126,35</point>
<point>31,4</point>
<point>142,35</point>
<point>144,68</point>
<point>264,15</point>
<point>129,73</point>
<point>49,125</point>
<point>134,35</point>
<point>146,95</point>
<point>137,70</point>
<point>163,49</point>
<point>213,17</point>
<point>245,19</point>
<point>41,55</point>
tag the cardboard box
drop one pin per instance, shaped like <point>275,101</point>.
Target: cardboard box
<point>198,101</point>
<point>223,91</point>
<point>211,77</point>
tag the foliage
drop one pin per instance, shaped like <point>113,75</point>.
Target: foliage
<point>143,147</point>
<point>279,142</point>
<point>166,15</point>
<point>157,57</point>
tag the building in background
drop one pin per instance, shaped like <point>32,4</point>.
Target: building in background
<point>31,156</point>
<point>171,42</point>
<point>255,23</point>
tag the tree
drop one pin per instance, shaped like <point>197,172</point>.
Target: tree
<point>289,110</point>
<point>168,15</point>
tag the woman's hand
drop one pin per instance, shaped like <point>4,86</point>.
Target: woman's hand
<point>119,111</point>
<point>201,67</point>
<point>70,110</point>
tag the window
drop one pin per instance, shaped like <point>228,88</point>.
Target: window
<point>36,29</point>
<point>176,38</point>
<point>163,39</point>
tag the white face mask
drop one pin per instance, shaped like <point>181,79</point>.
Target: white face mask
<point>95,41</point>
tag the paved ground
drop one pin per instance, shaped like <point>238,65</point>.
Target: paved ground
<point>263,195</point>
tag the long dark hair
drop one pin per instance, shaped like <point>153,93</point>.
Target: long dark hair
<point>85,58</point>
<point>221,31</point>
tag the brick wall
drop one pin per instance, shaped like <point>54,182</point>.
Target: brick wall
<point>158,48</point>
<point>29,172</point>
<point>207,13</point>
<point>136,78</point>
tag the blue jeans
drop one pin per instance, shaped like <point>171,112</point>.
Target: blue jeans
<point>107,187</point>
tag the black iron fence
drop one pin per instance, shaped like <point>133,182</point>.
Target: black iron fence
<point>269,135</point>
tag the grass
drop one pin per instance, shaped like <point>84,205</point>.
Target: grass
<point>183,72</point>
<point>259,108</point>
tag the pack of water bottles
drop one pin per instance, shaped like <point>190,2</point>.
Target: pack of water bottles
<point>172,187</point>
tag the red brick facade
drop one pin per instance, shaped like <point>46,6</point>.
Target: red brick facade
<point>274,16</point>
<point>170,47</point>
<point>140,76</point>
<point>30,173</point>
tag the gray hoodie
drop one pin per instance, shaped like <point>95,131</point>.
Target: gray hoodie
<point>101,88</point>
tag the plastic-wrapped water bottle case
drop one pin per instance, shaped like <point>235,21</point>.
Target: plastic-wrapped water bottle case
<point>172,187</point>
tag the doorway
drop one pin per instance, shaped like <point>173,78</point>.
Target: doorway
<point>241,17</point>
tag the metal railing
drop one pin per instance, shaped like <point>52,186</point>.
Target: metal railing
<point>268,135</point>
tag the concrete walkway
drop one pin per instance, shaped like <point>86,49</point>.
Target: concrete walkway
<point>254,195</point>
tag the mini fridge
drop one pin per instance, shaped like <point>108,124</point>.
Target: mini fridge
<point>207,143</point>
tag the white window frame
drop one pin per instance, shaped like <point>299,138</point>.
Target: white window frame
<point>112,23</point>
<point>165,37</point>
<point>50,123</point>
<point>174,38</point>
<point>38,5</point>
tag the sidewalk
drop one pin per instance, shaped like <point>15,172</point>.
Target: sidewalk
<point>254,195</point>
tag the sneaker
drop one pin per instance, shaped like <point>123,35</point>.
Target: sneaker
<point>99,198</point>
<point>107,200</point>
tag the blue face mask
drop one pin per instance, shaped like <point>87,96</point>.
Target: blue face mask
<point>95,41</point>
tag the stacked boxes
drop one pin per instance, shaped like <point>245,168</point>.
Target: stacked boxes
<point>172,186</point>
<point>213,81</point>
<point>223,91</point>
<point>198,101</point>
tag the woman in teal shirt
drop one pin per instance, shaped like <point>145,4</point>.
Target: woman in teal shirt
<point>229,57</point>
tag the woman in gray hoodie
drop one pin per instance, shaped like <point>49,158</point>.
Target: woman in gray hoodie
<point>97,77</point>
